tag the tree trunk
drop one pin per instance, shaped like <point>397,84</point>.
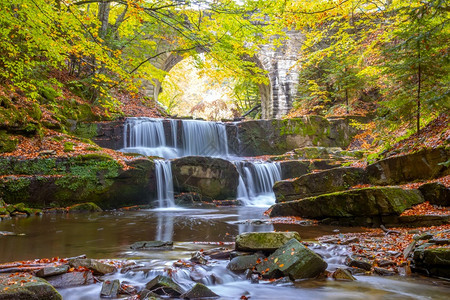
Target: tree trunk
<point>419,82</point>
<point>346,99</point>
<point>103,16</point>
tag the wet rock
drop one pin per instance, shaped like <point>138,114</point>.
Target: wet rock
<point>294,168</point>
<point>199,258</point>
<point>97,267</point>
<point>383,271</point>
<point>218,253</point>
<point>199,291</point>
<point>350,240</point>
<point>293,260</point>
<point>423,236</point>
<point>313,184</point>
<point>164,286</point>
<point>50,271</point>
<point>71,279</point>
<point>110,288</point>
<point>356,271</point>
<point>87,207</point>
<point>26,287</point>
<point>386,263</point>
<point>434,261</point>
<point>263,241</point>
<point>408,250</point>
<point>424,164</point>
<point>188,199</point>
<point>148,295</point>
<point>436,193</point>
<point>359,263</point>
<point>343,274</point>
<point>242,263</point>
<point>213,178</point>
<point>361,203</point>
<point>152,245</point>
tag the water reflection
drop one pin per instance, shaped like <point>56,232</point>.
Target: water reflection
<point>247,222</point>
<point>164,228</point>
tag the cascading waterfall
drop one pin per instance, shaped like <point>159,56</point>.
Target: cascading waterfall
<point>256,181</point>
<point>149,137</point>
<point>164,183</point>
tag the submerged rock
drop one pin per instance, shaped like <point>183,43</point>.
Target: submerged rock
<point>376,201</point>
<point>152,245</point>
<point>13,287</point>
<point>165,286</point>
<point>263,241</point>
<point>199,291</point>
<point>213,178</point>
<point>334,180</point>
<point>293,260</point>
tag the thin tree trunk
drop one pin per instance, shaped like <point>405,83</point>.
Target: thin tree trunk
<point>419,82</point>
<point>346,99</point>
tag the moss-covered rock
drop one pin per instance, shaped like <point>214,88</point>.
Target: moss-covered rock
<point>337,179</point>
<point>263,241</point>
<point>424,164</point>
<point>294,168</point>
<point>199,291</point>
<point>375,201</point>
<point>434,261</point>
<point>26,287</point>
<point>293,260</point>
<point>163,285</point>
<point>87,207</point>
<point>45,182</point>
<point>213,178</point>
<point>7,143</point>
<point>436,193</point>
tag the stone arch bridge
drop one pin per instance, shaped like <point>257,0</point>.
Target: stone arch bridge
<point>280,65</point>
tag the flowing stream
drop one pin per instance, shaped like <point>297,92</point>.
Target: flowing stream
<point>150,137</point>
<point>110,234</point>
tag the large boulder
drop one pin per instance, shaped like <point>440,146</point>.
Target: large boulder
<point>244,262</point>
<point>294,168</point>
<point>163,285</point>
<point>436,193</point>
<point>434,261</point>
<point>263,241</point>
<point>424,164</point>
<point>375,201</point>
<point>337,179</point>
<point>26,287</point>
<point>95,266</point>
<point>293,260</point>
<point>62,182</point>
<point>199,291</point>
<point>214,178</point>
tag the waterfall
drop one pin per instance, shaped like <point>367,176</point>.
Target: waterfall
<point>164,183</point>
<point>179,138</point>
<point>256,181</point>
<point>204,138</point>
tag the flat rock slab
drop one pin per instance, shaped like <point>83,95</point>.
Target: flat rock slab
<point>26,287</point>
<point>293,259</point>
<point>97,267</point>
<point>152,245</point>
<point>50,271</point>
<point>110,288</point>
<point>264,241</point>
<point>244,262</point>
<point>329,181</point>
<point>366,202</point>
<point>71,279</point>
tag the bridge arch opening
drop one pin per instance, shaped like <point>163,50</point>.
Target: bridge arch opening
<point>209,98</point>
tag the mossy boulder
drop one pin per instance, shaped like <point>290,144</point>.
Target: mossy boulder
<point>26,287</point>
<point>337,179</point>
<point>244,262</point>
<point>199,291</point>
<point>433,261</point>
<point>293,260</point>
<point>62,182</point>
<point>263,241</point>
<point>213,178</point>
<point>436,193</point>
<point>87,207</point>
<point>7,143</point>
<point>424,164</point>
<point>294,168</point>
<point>366,202</point>
<point>163,285</point>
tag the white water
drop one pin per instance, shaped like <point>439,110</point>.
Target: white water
<point>164,183</point>
<point>256,182</point>
<point>148,137</point>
